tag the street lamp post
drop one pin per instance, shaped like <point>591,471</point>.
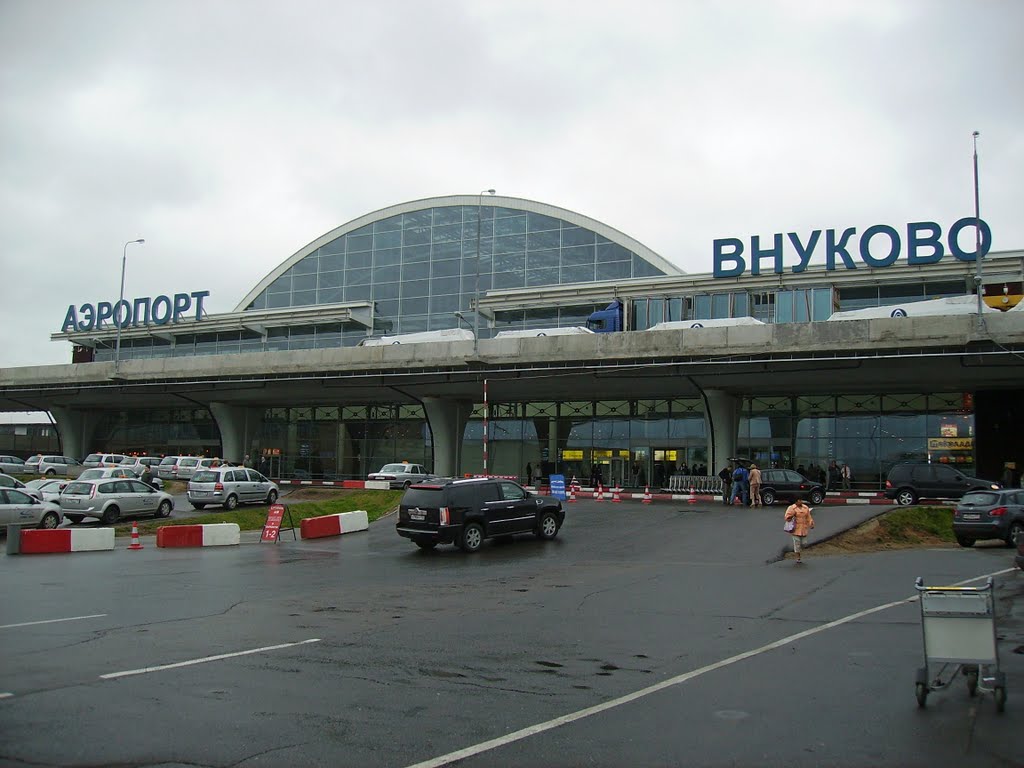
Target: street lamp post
<point>977,229</point>
<point>476,287</point>
<point>120,299</point>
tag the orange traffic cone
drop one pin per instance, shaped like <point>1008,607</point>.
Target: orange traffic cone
<point>136,544</point>
<point>572,494</point>
<point>599,493</point>
<point>615,495</point>
<point>693,496</point>
<point>647,495</point>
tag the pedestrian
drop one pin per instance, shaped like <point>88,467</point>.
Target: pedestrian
<point>529,473</point>
<point>832,482</point>
<point>755,486</point>
<point>847,474</point>
<point>1007,479</point>
<point>740,486</point>
<point>263,465</point>
<point>147,476</point>
<point>726,477</point>
<point>800,514</point>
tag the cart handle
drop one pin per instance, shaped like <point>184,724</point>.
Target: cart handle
<point>920,587</point>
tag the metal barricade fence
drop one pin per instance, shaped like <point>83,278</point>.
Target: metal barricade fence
<point>700,484</point>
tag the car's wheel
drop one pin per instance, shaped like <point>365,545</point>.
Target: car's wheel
<point>905,497</point>
<point>198,506</point>
<point>1017,529</point>
<point>472,537</point>
<point>164,510</point>
<point>111,515</point>
<point>271,497</point>
<point>965,541</point>
<point>548,527</point>
<point>50,520</point>
<point>768,497</point>
<point>406,484</point>
<point>427,544</point>
<point>51,472</point>
<point>817,497</point>
<point>231,502</point>
<point>75,518</point>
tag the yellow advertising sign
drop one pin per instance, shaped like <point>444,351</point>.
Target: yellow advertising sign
<point>950,443</point>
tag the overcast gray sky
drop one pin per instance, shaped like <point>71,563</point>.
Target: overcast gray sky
<point>229,134</point>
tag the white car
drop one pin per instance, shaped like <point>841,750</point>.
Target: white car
<point>41,464</point>
<point>229,487</point>
<point>401,475</point>
<point>12,465</point>
<point>19,508</point>
<point>102,460</point>
<point>47,488</point>
<point>112,499</point>
<point>98,473</point>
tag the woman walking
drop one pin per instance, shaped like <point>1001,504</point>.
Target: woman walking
<point>802,522</point>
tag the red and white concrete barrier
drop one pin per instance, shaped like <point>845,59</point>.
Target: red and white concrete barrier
<point>38,541</point>
<point>334,525</point>
<point>377,485</point>
<point>211,535</point>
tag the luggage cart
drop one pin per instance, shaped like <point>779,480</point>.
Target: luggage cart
<point>959,627</point>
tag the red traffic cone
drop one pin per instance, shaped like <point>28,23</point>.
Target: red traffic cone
<point>647,495</point>
<point>693,496</point>
<point>136,544</point>
<point>572,494</point>
<point>599,493</point>
<point>615,495</point>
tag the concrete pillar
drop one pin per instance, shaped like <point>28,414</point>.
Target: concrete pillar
<point>447,420</point>
<point>723,419</point>
<point>238,427</point>
<point>77,429</point>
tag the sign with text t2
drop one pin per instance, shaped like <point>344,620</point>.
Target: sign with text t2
<point>272,527</point>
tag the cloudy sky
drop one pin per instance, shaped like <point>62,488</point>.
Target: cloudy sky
<point>229,134</point>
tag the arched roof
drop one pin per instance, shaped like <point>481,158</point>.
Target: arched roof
<point>527,206</point>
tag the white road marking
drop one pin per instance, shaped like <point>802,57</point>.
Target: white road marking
<point>533,730</point>
<point>51,621</point>
<point>145,670</point>
<point>6,695</point>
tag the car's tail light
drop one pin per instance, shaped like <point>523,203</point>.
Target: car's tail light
<point>997,512</point>
<point>888,484</point>
<point>218,486</point>
<point>443,516</point>
<point>92,492</point>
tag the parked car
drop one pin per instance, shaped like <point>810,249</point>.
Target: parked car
<point>401,475</point>
<point>465,512</point>
<point>19,508</point>
<point>909,481</point>
<point>12,465</point>
<point>229,487</point>
<point>139,462</point>
<point>97,473</point>
<point>102,460</point>
<point>187,465</point>
<point>989,515</point>
<point>167,469</point>
<point>47,488</point>
<point>789,485</point>
<point>53,465</point>
<point>111,499</point>
<point>6,481</point>
<point>1018,559</point>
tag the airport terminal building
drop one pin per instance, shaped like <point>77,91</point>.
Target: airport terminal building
<point>685,377</point>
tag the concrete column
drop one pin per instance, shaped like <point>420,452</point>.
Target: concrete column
<point>77,429</point>
<point>723,419</point>
<point>238,427</point>
<point>447,420</point>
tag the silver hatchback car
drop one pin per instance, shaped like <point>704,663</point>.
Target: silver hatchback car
<point>18,508</point>
<point>112,498</point>
<point>229,487</point>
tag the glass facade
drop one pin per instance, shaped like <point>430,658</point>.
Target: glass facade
<point>629,442</point>
<point>421,267</point>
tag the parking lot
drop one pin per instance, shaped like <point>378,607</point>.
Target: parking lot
<point>657,634</point>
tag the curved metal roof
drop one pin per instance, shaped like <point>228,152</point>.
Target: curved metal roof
<point>515,203</point>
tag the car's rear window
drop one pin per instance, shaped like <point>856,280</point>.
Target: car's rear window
<point>79,488</point>
<point>393,468</point>
<point>168,460</point>
<point>93,457</point>
<point>188,462</point>
<point>205,476</point>
<point>423,496</point>
<point>980,498</point>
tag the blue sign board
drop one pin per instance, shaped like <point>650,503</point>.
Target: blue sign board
<point>557,483</point>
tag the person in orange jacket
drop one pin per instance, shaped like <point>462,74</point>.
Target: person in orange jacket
<point>800,514</point>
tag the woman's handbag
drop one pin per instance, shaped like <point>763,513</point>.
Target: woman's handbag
<point>790,525</point>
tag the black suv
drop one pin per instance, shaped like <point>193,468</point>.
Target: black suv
<point>465,512</point>
<point>911,481</point>
<point>789,485</point>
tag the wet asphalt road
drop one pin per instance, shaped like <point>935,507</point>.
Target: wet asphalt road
<point>363,651</point>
